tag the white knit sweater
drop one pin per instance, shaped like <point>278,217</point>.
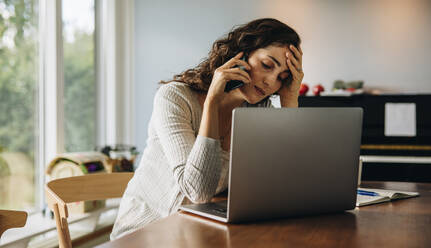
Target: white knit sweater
<point>177,165</point>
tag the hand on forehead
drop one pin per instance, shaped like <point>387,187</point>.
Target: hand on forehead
<point>277,54</point>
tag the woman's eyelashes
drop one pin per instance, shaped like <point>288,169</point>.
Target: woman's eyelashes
<point>266,66</point>
<point>269,66</point>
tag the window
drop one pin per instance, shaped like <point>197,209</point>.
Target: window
<point>18,104</point>
<point>51,100</point>
<point>80,98</point>
<point>20,172</point>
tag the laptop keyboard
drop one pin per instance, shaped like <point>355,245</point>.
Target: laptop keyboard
<point>221,210</point>
<point>218,209</point>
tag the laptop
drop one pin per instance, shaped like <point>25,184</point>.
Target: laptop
<point>288,162</point>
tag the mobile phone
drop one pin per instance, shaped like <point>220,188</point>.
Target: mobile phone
<point>233,84</point>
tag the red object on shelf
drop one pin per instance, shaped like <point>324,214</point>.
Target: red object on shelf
<point>317,89</point>
<point>303,89</point>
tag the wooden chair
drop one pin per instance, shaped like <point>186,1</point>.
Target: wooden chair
<point>81,188</point>
<point>11,219</point>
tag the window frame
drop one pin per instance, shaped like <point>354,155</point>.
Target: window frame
<point>50,91</point>
<point>115,71</point>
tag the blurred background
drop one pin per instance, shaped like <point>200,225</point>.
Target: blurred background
<point>19,93</point>
<point>385,43</point>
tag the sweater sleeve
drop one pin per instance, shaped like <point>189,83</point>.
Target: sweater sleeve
<point>195,161</point>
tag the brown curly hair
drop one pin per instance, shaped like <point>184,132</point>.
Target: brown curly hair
<point>246,38</point>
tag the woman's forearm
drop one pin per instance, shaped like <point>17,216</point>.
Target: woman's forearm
<point>210,119</point>
<point>289,101</point>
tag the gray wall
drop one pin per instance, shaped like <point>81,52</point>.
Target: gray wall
<point>386,43</point>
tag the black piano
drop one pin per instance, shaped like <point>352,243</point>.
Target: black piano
<point>375,144</point>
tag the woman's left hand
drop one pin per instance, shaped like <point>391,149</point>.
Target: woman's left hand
<point>294,62</point>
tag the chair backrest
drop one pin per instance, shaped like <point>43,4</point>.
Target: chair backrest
<point>11,219</point>
<point>81,188</point>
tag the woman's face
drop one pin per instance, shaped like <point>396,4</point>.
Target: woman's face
<point>268,71</point>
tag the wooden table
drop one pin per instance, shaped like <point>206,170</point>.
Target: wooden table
<point>403,223</point>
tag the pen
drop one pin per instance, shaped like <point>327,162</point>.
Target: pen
<point>364,192</point>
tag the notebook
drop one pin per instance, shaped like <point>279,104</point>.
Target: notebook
<point>381,195</point>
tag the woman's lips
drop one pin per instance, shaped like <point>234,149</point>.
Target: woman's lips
<point>259,90</point>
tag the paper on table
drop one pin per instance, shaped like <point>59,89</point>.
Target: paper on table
<point>384,195</point>
<point>400,119</point>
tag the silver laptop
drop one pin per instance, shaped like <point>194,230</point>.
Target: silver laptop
<point>289,162</point>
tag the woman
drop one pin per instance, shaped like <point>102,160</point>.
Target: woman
<point>187,154</point>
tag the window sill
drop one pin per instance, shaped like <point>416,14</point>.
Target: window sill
<point>40,231</point>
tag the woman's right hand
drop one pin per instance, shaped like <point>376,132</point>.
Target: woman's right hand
<point>224,74</point>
